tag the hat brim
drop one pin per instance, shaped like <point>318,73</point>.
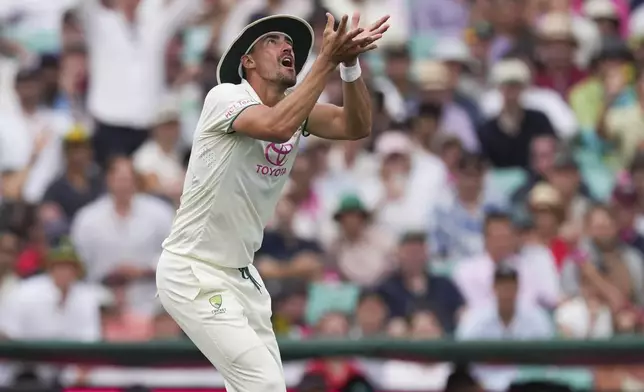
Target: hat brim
<point>296,28</point>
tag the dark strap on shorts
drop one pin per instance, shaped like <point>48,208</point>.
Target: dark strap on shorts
<point>245,273</point>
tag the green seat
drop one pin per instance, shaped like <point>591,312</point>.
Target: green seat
<point>330,297</point>
<point>599,177</point>
<point>506,181</point>
<point>576,378</point>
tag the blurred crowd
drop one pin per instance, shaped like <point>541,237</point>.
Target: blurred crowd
<point>500,196</point>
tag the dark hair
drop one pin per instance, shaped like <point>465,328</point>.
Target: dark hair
<point>472,161</point>
<point>496,216</point>
<point>430,110</point>
<point>413,236</point>
<point>369,293</point>
<point>460,378</point>
<point>113,160</point>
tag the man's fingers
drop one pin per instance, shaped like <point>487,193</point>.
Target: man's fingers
<point>330,22</point>
<point>355,20</point>
<point>365,40</point>
<point>382,29</point>
<point>377,24</point>
<point>368,48</point>
<point>342,28</point>
<point>352,34</point>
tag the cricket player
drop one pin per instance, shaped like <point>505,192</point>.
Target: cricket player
<point>244,147</point>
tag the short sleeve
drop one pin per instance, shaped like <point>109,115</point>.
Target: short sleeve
<point>222,106</point>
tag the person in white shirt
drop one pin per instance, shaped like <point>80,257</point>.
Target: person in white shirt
<point>243,152</point>
<point>158,160</point>
<point>53,306</point>
<point>30,142</point>
<point>127,45</point>
<point>120,234</point>
<point>506,318</point>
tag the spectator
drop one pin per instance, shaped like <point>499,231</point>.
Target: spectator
<point>165,328</point>
<point>159,160</point>
<point>425,129</point>
<point>336,371</point>
<point>546,207</point>
<point>120,323</point>
<point>433,78</point>
<point>362,251</point>
<point>541,99</point>
<point>474,276</point>
<point>117,59</point>
<point>371,316</point>
<point>506,139</point>
<point>406,187</point>
<point>80,184</point>
<point>372,10</point>
<point>456,224</point>
<point>615,269</point>
<point>9,249</point>
<point>588,97</point>
<point>455,55</point>
<point>414,286</point>
<point>623,125</point>
<point>120,234</point>
<point>543,151</point>
<point>53,306</point>
<point>30,142</point>
<point>605,15</point>
<point>504,319</point>
<point>624,203</point>
<point>567,180</point>
<point>556,53</point>
<point>283,256</point>
<point>289,312</point>
<point>412,376</point>
<point>399,92</point>
<point>585,316</point>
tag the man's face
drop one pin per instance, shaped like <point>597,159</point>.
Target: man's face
<point>29,91</point>
<point>273,59</point>
<point>413,257</point>
<point>566,181</point>
<point>602,228</point>
<point>506,292</point>
<point>557,52</point>
<point>469,183</point>
<point>500,239</point>
<point>168,133</point>
<point>397,67</point>
<point>353,223</point>
<point>371,314</point>
<point>511,93</point>
<point>542,154</point>
<point>121,180</point>
<point>64,274</point>
<point>79,155</point>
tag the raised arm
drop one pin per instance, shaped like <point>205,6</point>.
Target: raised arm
<point>280,122</point>
<point>354,120</point>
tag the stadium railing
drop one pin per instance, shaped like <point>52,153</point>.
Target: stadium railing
<point>552,352</point>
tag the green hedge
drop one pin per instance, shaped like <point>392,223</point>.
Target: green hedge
<point>563,352</point>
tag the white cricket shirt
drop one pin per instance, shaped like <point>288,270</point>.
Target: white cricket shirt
<point>232,184</point>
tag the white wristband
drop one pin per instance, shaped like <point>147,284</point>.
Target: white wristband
<point>350,74</point>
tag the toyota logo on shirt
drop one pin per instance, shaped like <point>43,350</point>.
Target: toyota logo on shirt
<point>277,154</point>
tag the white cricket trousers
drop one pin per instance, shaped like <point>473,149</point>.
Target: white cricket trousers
<point>227,317</point>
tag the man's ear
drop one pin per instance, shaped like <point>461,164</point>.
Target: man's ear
<point>248,62</point>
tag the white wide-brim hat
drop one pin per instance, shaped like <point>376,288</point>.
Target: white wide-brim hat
<point>297,29</point>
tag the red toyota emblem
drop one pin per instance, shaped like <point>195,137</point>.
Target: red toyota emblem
<point>277,154</point>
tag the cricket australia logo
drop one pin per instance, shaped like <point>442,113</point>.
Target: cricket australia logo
<point>215,302</point>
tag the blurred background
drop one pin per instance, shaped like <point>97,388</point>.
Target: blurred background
<point>500,196</point>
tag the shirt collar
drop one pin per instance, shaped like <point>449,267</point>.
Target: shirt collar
<point>250,90</point>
